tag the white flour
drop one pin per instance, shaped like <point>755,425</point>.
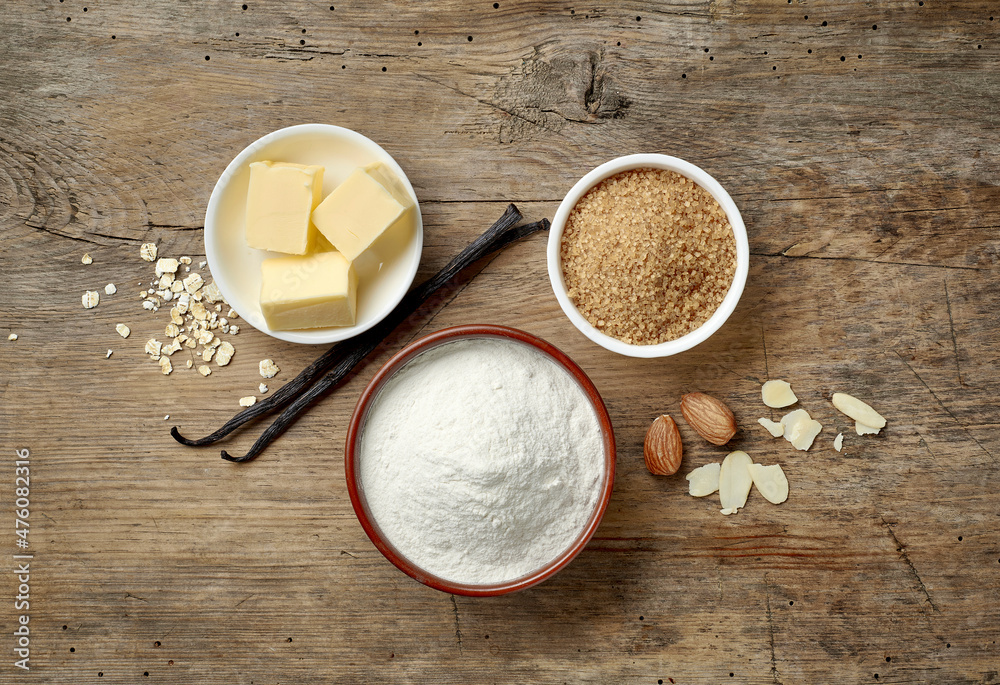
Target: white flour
<point>481,460</point>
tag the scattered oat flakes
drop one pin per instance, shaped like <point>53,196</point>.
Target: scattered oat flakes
<point>198,311</point>
<point>262,388</point>
<point>189,363</point>
<point>268,369</point>
<point>153,347</point>
<point>148,304</point>
<point>165,266</point>
<point>91,299</point>
<point>165,366</point>
<point>171,330</point>
<point>225,353</point>
<point>212,293</point>
<point>204,370</point>
<point>108,355</point>
<point>171,347</point>
<point>233,330</point>
<point>176,287</point>
<point>166,280</point>
<point>110,289</point>
<point>232,314</point>
<point>166,417</point>
<point>87,259</point>
<point>185,260</point>
<point>248,401</point>
<point>148,251</point>
<point>12,337</point>
<point>193,283</point>
<point>123,330</point>
<point>202,265</point>
<point>207,354</point>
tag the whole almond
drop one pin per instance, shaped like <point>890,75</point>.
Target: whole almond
<point>662,449</point>
<point>709,417</point>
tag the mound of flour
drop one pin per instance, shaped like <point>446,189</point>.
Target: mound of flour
<point>481,460</point>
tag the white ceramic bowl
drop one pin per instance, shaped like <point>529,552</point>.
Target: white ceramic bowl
<point>654,161</point>
<point>384,273</point>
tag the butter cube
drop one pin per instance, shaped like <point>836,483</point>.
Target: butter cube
<point>361,209</point>
<point>280,201</point>
<point>312,291</point>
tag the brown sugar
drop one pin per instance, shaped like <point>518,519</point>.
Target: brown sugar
<point>647,256</point>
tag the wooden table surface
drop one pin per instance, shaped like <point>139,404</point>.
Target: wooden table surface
<point>860,141</point>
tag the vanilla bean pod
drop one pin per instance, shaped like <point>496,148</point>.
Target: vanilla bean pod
<point>366,342</point>
<point>287,393</point>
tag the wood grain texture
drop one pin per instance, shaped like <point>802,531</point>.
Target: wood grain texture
<point>859,140</point>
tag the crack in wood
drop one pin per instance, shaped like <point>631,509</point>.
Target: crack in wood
<point>943,406</point>
<point>770,631</point>
<point>954,341</point>
<point>866,261</point>
<point>458,627</point>
<point>906,558</point>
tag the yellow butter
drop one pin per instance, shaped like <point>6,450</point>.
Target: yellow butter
<point>311,291</point>
<point>361,209</point>
<point>280,201</point>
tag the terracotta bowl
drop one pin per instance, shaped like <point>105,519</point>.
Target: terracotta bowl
<point>357,426</point>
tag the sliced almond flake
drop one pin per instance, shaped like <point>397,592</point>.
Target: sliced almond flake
<point>838,442</point>
<point>262,388</point>
<point>91,299</point>
<point>193,282</point>
<point>123,330</point>
<point>862,429</point>
<point>775,428</point>
<point>165,366</point>
<point>153,347</point>
<point>770,482</point>
<point>110,289</point>
<point>148,251</point>
<point>777,394</point>
<point>248,401</point>
<point>858,410</point>
<point>704,480</point>
<point>86,259</point>
<point>800,429</point>
<point>268,369</point>
<point>185,260</point>
<point>225,355</point>
<point>205,370</point>
<point>734,480</point>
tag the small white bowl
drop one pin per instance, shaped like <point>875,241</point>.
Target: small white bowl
<point>384,273</point>
<point>653,161</point>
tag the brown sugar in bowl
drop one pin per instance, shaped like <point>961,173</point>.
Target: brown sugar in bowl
<point>648,255</point>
